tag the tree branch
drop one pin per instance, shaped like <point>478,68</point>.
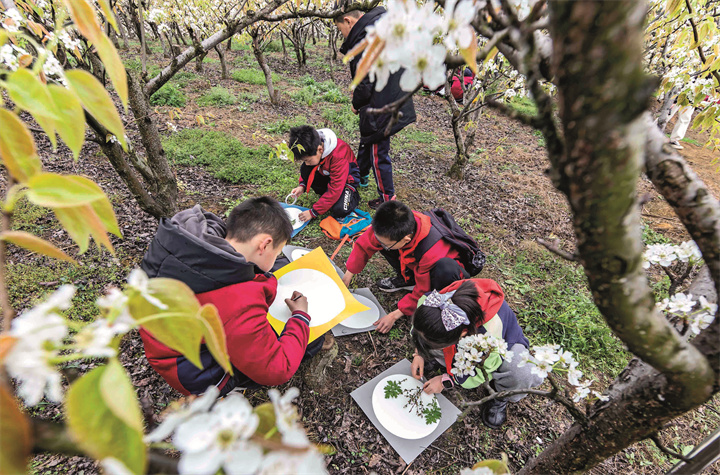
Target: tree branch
<point>665,450</point>
<point>715,74</point>
<point>553,247</point>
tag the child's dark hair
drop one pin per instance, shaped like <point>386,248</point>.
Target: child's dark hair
<point>394,220</point>
<point>429,333</point>
<point>304,141</point>
<point>259,215</point>
<point>351,13</point>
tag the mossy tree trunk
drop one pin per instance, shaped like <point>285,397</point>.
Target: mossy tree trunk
<point>603,93</point>
<point>258,50</point>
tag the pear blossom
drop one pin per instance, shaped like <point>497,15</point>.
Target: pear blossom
<point>541,368</point>
<point>700,322</point>
<point>688,251</point>
<point>681,303</point>
<point>706,306</point>
<point>582,391</point>
<point>113,466</point>
<point>219,439</point>
<point>456,23</point>
<point>199,405</point>
<point>292,433</point>
<point>138,280</point>
<point>477,471</point>
<point>600,396</point>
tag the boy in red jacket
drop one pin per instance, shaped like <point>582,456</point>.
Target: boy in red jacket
<point>328,168</point>
<point>228,266</point>
<point>397,232</point>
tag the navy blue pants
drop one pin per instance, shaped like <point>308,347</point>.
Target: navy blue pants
<point>377,157</point>
<point>349,200</point>
<point>444,272</point>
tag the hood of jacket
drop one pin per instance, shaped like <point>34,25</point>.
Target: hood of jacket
<point>191,247</point>
<point>358,33</point>
<point>330,141</point>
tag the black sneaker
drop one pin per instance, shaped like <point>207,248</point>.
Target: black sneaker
<point>374,204</point>
<point>494,413</point>
<point>393,284</point>
<point>364,181</point>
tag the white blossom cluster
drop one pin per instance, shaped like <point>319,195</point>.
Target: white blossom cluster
<point>473,349</point>
<point>667,254</point>
<point>549,358</point>
<point>213,436</point>
<point>683,305</point>
<point>477,471</point>
<point>408,31</point>
<point>41,334</point>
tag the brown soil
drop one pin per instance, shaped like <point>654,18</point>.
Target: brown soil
<point>506,195</point>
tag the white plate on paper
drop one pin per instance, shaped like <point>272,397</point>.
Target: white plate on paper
<point>363,319</point>
<point>325,299</point>
<point>294,215</point>
<point>298,253</point>
<point>399,420</point>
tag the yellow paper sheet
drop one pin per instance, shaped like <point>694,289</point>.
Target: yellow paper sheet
<point>316,260</point>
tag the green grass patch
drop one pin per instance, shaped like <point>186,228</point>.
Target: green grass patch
<point>411,133</point>
<point>691,141</point>
<point>183,78</point>
<point>210,60</point>
<point>227,158</point>
<point>342,118</point>
<point>555,306</point>
<point>252,76</point>
<point>275,46</point>
<point>218,96</point>
<point>650,236</point>
<point>31,218</point>
<point>524,105</point>
<point>30,283</point>
<point>313,92</point>
<point>135,65</point>
<point>168,95</point>
<point>283,126</point>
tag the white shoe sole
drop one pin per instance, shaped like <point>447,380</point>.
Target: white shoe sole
<point>410,287</point>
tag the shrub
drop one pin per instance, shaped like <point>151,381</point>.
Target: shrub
<point>252,76</point>
<point>218,96</point>
<point>168,95</point>
<point>275,46</point>
<point>342,118</point>
<point>283,126</point>
<point>228,159</point>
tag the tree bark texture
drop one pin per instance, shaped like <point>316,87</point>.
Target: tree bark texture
<point>223,64</point>
<point>260,57</point>
<point>603,91</point>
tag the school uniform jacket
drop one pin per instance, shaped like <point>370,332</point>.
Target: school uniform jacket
<point>191,248</point>
<point>499,321</point>
<point>337,168</point>
<point>367,245</point>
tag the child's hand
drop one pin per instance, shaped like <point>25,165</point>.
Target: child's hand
<point>386,323</point>
<point>305,216</point>
<point>297,302</point>
<point>296,192</point>
<point>434,385</point>
<point>347,278</point>
<point>418,366</point>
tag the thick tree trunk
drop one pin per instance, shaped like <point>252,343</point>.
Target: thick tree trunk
<point>457,170</point>
<point>602,93</point>
<point>223,64</point>
<point>260,57</point>
<point>199,62</point>
<point>166,194</point>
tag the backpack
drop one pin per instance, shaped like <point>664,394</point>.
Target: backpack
<point>352,224</point>
<point>445,227</point>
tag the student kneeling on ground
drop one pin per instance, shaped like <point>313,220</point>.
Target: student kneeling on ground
<point>228,266</point>
<point>466,308</point>
<point>328,168</point>
<point>422,259</point>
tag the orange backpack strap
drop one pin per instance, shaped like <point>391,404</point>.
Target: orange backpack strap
<point>331,227</point>
<point>337,249</point>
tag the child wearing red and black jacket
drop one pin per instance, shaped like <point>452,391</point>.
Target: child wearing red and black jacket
<point>413,247</point>
<point>473,306</point>
<point>328,168</point>
<point>228,267</point>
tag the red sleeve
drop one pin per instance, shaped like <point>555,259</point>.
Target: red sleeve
<point>257,351</point>
<point>362,251</point>
<point>339,171</point>
<point>408,304</point>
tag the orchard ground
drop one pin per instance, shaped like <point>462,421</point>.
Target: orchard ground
<point>220,156</point>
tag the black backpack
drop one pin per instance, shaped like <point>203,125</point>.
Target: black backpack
<point>445,227</point>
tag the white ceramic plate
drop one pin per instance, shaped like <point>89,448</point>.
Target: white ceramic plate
<point>399,420</point>
<point>293,214</point>
<point>298,253</point>
<point>365,318</point>
<point>325,299</point>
